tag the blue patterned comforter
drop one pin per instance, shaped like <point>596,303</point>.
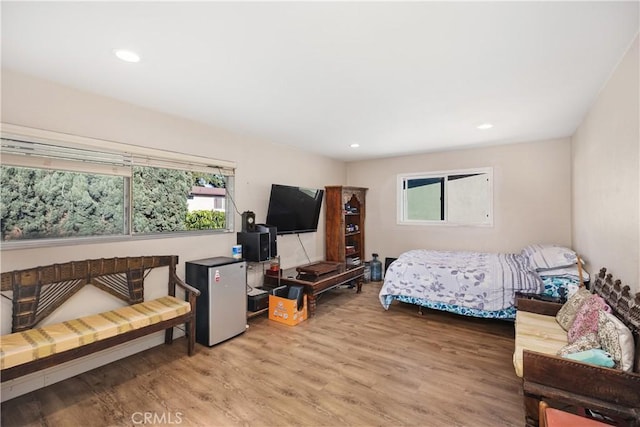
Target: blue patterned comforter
<point>469,283</point>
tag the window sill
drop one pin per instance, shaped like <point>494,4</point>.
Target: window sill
<point>75,241</point>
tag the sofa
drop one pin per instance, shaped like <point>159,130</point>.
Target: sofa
<point>613,393</point>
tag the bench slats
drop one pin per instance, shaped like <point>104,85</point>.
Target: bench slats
<point>39,291</point>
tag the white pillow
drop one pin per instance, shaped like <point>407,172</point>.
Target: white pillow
<point>549,257</point>
<point>615,337</point>
<point>571,272</point>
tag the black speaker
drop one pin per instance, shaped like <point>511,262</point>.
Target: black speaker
<point>255,246</point>
<point>248,221</point>
<point>273,236</point>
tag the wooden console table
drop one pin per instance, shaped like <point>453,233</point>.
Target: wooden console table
<point>315,286</point>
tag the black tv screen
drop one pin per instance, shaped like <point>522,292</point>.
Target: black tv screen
<point>294,209</point>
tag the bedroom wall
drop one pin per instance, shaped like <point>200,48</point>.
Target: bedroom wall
<point>531,196</point>
<point>606,176</point>
<point>36,103</point>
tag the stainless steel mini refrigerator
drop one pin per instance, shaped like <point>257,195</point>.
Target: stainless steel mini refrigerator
<point>221,309</point>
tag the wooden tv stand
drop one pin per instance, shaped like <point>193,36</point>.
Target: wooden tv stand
<point>316,285</point>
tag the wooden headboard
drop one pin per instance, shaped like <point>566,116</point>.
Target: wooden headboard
<point>624,306</point>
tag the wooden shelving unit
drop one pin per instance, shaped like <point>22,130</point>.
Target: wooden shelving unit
<point>251,314</point>
<point>344,228</point>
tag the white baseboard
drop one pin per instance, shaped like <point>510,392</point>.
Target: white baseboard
<point>28,383</point>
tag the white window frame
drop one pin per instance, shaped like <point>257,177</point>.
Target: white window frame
<point>119,160</point>
<point>401,192</point>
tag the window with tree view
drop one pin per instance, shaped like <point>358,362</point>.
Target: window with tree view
<point>62,192</point>
<point>42,203</point>
<point>177,200</point>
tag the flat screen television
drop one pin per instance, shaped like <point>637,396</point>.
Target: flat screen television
<point>294,209</point>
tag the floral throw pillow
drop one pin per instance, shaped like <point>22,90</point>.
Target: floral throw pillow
<point>584,343</point>
<point>586,320</point>
<point>616,339</point>
<point>567,313</point>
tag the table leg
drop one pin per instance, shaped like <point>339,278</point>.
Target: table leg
<point>312,301</point>
<point>359,284</point>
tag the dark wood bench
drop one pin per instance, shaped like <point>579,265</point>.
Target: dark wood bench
<point>38,291</point>
<point>313,285</point>
<point>611,392</point>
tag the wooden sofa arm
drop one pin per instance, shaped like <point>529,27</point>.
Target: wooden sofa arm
<point>537,306</point>
<point>190,292</point>
<point>188,288</point>
<point>610,391</point>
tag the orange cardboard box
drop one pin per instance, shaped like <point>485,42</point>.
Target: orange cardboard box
<point>284,310</point>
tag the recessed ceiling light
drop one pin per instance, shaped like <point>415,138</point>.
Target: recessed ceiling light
<point>485,126</point>
<point>354,145</point>
<point>126,55</point>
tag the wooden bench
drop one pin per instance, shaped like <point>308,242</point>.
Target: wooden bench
<point>612,392</point>
<point>37,292</point>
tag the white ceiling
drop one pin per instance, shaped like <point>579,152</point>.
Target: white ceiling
<point>396,78</point>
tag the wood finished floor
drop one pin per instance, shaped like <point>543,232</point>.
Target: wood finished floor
<point>352,364</point>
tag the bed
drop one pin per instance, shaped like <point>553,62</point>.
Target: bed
<point>479,284</point>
